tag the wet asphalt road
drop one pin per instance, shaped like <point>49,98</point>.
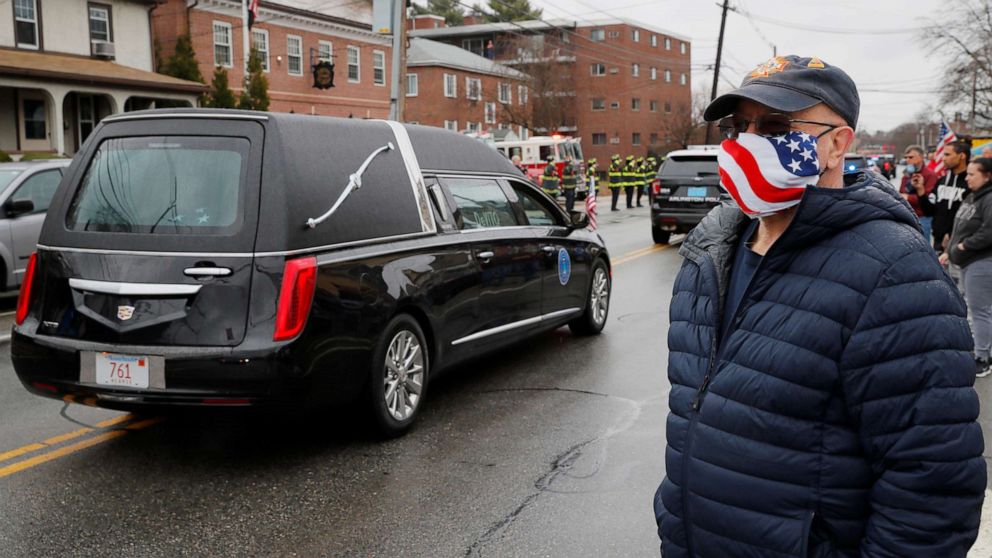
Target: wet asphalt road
<point>553,448</point>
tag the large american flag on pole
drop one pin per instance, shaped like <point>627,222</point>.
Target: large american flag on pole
<point>252,12</point>
<point>946,137</point>
<point>591,205</point>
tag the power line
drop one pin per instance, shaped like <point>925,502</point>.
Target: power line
<point>831,30</point>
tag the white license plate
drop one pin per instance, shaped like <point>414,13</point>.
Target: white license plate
<point>122,370</point>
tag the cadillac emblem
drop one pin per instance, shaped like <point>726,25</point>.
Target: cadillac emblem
<point>125,312</point>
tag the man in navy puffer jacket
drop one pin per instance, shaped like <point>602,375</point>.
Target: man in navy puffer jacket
<point>819,357</point>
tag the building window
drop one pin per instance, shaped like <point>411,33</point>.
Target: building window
<point>100,23</point>
<point>490,113</point>
<point>668,106</point>
<point>654,40</point>
<point>522,94</point>
<point>473,89</point>
<point>378,67</point>
<point>635,104</point>
<point>450,85</point>
<point>653,105</point>
<point>682,79</point>
<point>354,68</point>
<point>599,138</point>
<point>635,34</point>
<point>222,44</point>
<point>474,126</point>
<point>475,46</point>
<point>598,35</point>
<point>654,73</point>
<point>682,48</point>
<point>668,76</point>
<point>505,93</point>
<point>668,44</point>
<point>614,34</point>
<point>34,119</point>
<point>635,138</point>
<point>599,104</point>
<point>412,85</point>
<point>615,105</point>
<point>654,138</point>
<point>26,24</point>
<point>598,69</point>
<point>451,125</point>
<point>260,42</point>
<point>87,116</point>
<point>325,51</point>
<point>635,69</point>
<point>294,55</point>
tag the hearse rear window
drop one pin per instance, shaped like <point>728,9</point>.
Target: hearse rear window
<point>162,185</point>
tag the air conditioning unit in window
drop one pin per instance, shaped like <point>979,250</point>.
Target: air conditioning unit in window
<point>614,70</point>
<point>102,49</point>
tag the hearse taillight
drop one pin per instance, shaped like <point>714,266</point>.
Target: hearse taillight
<point>24,297</point>
<point>295,296</point>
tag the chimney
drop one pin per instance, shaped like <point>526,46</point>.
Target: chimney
<point>426,21</point>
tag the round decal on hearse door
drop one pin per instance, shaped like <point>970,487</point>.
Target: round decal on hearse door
<point>564,266</point>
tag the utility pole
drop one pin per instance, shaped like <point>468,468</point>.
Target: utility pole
<point>716,69</point>
<point>398,87</point>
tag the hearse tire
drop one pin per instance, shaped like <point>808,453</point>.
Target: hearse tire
<point>592,321</point>
<point>398,377</point>
<point>660,236</point>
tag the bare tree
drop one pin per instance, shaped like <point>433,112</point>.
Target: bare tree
<point>966,43</point>
<point>683,125</point>
<point>551,99</point>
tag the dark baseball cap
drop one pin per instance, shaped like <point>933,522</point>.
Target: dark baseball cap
<point>790,84</point>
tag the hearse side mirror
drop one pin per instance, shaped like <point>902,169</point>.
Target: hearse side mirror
<point>579,220</point>
<point>18,207</point>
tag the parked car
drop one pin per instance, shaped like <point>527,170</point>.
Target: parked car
<point>203,257</point>
<point>854,163</point>
<point>685,189</point>
<point>26,189</point>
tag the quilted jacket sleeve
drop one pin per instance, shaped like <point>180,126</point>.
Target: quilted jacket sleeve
<point>907,375</point>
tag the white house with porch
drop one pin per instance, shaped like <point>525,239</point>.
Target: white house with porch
<point>67,64</point>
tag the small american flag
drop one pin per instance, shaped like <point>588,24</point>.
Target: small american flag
<point>252,12</point>
<point>946,137</point>
<point>591,208</point>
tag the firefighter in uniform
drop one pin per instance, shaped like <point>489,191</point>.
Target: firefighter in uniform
<point>592,177</point>
<point>569,181</point>
<point>549,180</point>
<point>616,181</point>
<point>630,180</point>
<point>643,175</point>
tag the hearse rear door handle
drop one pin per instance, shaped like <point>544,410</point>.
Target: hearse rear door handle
<point>485,256</point>
<point>549,249</point>
<point>207,271</point>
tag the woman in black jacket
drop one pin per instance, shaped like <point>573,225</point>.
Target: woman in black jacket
<point>971,248</point>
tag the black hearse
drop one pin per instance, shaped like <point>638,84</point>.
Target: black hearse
<point>198,257</point>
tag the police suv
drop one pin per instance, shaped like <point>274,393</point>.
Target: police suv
<point>684,190</point>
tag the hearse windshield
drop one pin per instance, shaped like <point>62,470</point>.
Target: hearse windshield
<point>162,185</point>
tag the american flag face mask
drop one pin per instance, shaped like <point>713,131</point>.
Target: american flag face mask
<point>766,174</point>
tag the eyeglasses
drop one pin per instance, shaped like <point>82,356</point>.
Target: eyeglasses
<point>771,124</point>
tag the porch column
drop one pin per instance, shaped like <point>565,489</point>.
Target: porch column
<point>57,95</point>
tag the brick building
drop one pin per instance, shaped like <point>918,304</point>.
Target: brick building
<point>623,82</point>
<point>290,36</point>
<point>452,88</point>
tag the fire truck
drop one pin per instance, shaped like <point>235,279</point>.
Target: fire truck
<point>534,153</point>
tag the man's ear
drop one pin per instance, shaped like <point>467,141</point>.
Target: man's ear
<point>837,145</point>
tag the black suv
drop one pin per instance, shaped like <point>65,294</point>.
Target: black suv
<point>197,257</point>
<point>686,187</point>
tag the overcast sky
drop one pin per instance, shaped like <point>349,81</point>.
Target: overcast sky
<point>891,65</point>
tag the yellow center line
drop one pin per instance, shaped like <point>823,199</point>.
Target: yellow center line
<point>55,440</point>
<point>68,436</point>
<point>640,253</point>
<point>60,452</point>
<point>20,451</point>
<point>115,420</point>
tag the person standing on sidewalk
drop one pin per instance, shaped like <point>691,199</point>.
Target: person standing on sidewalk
<point>822,400</point>
<point>615,177</point>
<point>918,181</point>
<point>569,182</point>
<point>943,202</point>
<point>971,249</point>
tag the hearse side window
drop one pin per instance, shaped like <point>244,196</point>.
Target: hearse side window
<point>537,213</point>
<point>162,185</point>
<point>481,203</point>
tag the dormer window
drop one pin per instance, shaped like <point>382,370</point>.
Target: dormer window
<point>26,24</point>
